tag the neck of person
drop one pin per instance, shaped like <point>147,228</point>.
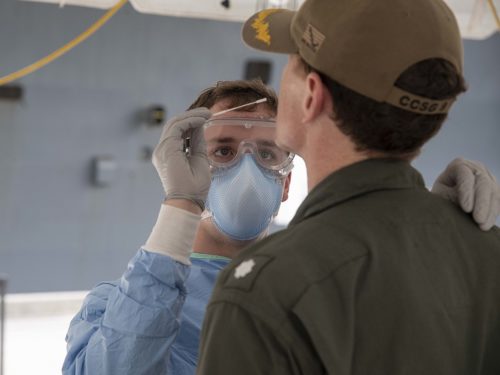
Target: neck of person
<point>209,240</point>
<point>328,150</point>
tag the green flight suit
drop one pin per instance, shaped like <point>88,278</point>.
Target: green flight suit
<point>375,275</point>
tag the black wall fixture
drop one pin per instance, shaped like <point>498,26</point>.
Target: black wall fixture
<point>156,115</point>
<point>13,93</point>
<point>258,69</point>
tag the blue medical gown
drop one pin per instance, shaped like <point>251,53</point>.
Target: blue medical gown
<point>148,322</point>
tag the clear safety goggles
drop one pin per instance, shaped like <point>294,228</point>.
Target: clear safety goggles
<point>228,139</point>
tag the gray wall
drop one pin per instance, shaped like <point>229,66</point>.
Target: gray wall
<point>473,126</point>
<point>57,231</point>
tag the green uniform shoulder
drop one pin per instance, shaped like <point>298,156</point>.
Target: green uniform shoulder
<point>268,278</point>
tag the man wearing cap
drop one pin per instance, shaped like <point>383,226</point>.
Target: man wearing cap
<point>375,275</point>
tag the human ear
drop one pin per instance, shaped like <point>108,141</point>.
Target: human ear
<point>314,98</point>
<point>286,187</point>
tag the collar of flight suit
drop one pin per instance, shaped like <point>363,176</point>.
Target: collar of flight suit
<point>358,179</point>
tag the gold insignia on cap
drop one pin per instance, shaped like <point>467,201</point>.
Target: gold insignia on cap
<point>261,27</point>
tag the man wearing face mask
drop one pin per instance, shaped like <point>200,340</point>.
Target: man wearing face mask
<point>224,179</point>
<point>149,321</point>
<point>248,171</point>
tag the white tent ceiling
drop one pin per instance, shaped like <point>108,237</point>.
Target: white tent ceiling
<point>475,17</point>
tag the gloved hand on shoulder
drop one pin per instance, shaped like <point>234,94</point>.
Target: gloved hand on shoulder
<point>470,185</point>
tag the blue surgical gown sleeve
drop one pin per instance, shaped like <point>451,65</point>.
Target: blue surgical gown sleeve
<point>128,327</point>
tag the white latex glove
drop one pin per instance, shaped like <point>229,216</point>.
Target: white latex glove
<point>470,185</point>
<point>184,176</point>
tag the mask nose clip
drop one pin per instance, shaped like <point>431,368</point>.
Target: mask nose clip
<point>247,148</point>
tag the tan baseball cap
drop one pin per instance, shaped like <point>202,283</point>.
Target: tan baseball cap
<point>364,44</point>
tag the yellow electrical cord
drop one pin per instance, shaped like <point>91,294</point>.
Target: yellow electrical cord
<point>96,26</point>
<point>495,13</point>
<point>61,51</point>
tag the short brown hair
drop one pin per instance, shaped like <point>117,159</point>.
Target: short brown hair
<point>381,127</point>
<point>237,93</point>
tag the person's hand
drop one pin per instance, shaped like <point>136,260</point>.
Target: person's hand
<point>470,185</point>
<point>184,176</point>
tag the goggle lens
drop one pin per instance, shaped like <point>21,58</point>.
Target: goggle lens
<point>228,139</point>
